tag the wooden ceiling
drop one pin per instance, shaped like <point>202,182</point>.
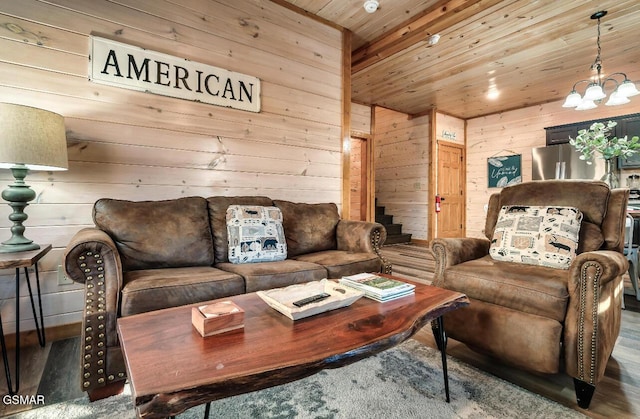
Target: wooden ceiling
<point>529,52</point>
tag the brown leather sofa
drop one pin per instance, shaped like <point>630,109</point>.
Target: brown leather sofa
<point>539,318</point>
<point>145,256</point>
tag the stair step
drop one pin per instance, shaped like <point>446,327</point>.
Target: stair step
<point>393,229</point>
<point>398,238</point>
<point>384,219</point>
<point>379,210</point>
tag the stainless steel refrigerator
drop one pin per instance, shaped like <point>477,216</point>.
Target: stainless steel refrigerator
<point>562,161</point>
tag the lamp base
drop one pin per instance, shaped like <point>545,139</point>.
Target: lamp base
<point>18,194</point>
<point>12,248</point>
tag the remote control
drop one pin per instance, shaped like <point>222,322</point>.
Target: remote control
<point>311,299</point>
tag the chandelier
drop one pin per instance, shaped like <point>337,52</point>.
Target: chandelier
<point>595,86</point>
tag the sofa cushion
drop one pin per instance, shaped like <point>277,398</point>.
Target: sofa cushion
<point>309,227</point>
<point>535,235</point>
<point>267,275</point>
<point>511,285</point>
<point>157,234</point>
<point>341,263</point>
<point>154,289</point>
<point>255,234</point>
<point>218,218</point>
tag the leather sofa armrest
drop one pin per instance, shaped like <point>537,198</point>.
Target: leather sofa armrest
<point>452,251</point>
<point>360,236</point>
<point>600,265</point>
<point>594,313</point>
<point>95,241</point>
<point>363,236</point>
<point>91,258</point>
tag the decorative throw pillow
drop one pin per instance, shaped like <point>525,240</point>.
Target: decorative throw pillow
<point>535,235</point>
<point>255,234</point>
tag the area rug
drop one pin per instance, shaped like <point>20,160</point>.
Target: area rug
<point>403,382</point>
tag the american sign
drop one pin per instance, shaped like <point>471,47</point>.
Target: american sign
<point>121,65</point>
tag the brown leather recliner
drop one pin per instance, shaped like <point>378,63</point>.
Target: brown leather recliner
<point>539,318</point>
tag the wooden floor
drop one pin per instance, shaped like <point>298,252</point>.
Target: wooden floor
<point>54,371</point>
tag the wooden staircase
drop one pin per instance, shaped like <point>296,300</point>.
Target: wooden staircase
<point>394,231</point>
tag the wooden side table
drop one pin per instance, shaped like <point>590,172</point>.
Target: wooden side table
<point>22,260</point>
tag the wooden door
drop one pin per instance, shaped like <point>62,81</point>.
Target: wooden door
<point>450,220</point>
<point>358,179</point>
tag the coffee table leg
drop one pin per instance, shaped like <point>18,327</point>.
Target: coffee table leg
<point>441,339</point>
<point>207,410</point>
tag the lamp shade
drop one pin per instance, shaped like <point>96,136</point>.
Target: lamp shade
<point>627,89</point>
<point>33,137</point>
<point>594,92</point>
<point>586,105</point>
<point>617,99</point>
<point>573,99</point>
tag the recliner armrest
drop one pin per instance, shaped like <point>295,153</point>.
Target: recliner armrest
<point>593,316</point>
<point>609,264</point>
<point>452,251</point>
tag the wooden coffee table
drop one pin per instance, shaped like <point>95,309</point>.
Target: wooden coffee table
<point>172,368</point>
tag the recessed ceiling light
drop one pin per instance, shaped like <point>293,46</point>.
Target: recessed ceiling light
<point>433,39</point>
<point>371,6</point>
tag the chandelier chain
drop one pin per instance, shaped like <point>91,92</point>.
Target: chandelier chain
<point>597,65</point>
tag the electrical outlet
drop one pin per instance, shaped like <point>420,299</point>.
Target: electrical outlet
<point>62,278</point>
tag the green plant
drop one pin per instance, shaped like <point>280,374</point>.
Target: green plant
<point>596,140</point>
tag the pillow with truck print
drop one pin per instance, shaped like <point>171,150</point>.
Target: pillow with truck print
<point>537,235</point>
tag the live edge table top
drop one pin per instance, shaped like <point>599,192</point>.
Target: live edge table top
<point>172,368</point>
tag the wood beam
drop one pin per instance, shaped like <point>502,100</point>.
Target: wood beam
<point>432,168</point>
<point>346,123</point>
<point>415,30</point>
<point>371,156</point>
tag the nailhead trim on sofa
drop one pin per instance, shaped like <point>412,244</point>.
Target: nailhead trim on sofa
<point>94,351</point>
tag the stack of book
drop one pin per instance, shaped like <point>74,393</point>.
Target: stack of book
<point>377,287</point>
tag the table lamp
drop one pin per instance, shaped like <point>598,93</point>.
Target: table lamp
<point>30,139</point>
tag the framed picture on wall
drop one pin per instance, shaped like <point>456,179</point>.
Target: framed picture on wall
<point>504,170</point>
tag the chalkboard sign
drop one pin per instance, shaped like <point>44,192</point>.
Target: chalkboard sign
<point>504,170</point>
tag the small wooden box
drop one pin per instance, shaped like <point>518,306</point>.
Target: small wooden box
<point>215,318</point>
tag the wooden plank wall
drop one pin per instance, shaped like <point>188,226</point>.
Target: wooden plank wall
<point>402,168</point>
<point>355,174</point>
<point>360,118</point>
<point>516,132</point>
<point>131,145</point>
<point>360,126</point>
<point>449,124</point>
